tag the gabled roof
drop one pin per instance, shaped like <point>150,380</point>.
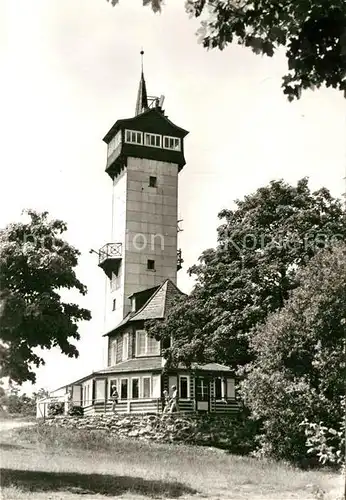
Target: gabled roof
<point>156,306</point>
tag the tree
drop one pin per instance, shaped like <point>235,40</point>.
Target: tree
<point>312,32</point>
<point>14,404</point>
<point>35,265</point>
<point>299,368</point>
<point>261,245</point>
<point>42,393</point>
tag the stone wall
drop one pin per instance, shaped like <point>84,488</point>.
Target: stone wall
<point>208,429</point>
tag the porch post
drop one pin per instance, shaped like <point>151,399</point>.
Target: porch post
<point>106,393</point>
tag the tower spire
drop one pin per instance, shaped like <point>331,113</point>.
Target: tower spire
<point>142,97</point>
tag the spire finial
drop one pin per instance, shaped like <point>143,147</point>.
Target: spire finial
<point>142,97</point>
<point>142,54</point>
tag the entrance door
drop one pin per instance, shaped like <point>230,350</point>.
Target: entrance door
<point>202,392</point>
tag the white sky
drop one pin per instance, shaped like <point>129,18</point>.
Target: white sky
<point>71,69</point>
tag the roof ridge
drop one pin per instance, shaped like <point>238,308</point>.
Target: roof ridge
<point>176,288</point>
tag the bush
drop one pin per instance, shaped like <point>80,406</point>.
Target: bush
<point>299,369</point>
<point>76,411</point>
<point>55,409</point>
<point>328,444</point>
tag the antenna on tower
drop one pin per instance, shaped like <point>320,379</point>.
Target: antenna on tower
<point>142,54</point>
<point>162,98</point>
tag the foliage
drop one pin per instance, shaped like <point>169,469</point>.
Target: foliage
<point>327,443</point>
<point>41,393</point>
<point>261,244</point>
<point>13,404</point>
<point>155,4</point>
<point>299,369</point>
<point>76,411</point>
<point>36,264</point>
<point>56,408</point>
<point>312,32</point>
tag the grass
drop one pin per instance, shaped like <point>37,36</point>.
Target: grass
<point>50,463</point>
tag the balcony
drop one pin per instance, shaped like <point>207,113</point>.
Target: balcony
<point>110,256</point>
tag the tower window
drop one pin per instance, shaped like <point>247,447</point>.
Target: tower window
<point>152,181</point>
<point>114,143</point>
<point>115,282</point>
<point>171,143</point>
<point>151,265</point>
<point>153,140</point>
<point>114,304</point>
<point>133,137</point>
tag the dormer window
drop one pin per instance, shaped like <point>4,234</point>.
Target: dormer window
<point>133,137</point>
<point>152,140</point>
<point>171,143</point>
<point>133,304</point>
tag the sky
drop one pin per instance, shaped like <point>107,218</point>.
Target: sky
<point>70,69</point>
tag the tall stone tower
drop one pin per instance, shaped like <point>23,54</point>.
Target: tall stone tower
<point>144,157</point>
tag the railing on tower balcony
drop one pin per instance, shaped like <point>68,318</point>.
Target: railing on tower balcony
<point>110,251</point>
<point>110,256</point>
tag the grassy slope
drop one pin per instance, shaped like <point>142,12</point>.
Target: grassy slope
<point>48,463</point>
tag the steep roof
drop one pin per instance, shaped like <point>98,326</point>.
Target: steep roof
<point>156,307</point>
<point>159,303</point>
<point>142,96</point>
